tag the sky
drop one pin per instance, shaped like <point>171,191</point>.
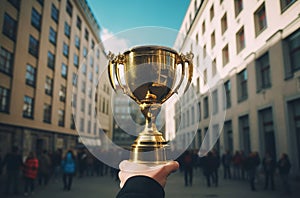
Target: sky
<point>123,21</point>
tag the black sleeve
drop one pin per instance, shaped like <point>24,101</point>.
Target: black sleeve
<point>141,187</point>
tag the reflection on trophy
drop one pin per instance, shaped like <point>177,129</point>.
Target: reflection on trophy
<point>150,75</point>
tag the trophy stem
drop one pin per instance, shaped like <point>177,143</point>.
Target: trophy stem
<point>150,146</point>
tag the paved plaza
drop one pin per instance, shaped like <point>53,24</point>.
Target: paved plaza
<point>106,186</point>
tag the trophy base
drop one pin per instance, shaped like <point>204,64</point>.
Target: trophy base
<point>149,149</point>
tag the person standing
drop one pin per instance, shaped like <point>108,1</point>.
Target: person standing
<point>252,163</point>
<point>44,168</point>
<point>30,173</point>
<point>215,167</point>
<point>13,162</point>
<point>284,167</point>
<point>269,166</point>
<point>68,167</point>
<point>188,168</point>
<point>207,167</point>
<point>226,161</point>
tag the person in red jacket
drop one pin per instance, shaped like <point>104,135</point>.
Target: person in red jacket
<point>30,172</point>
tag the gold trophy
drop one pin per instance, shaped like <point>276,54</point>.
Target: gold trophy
<point>148,75</point>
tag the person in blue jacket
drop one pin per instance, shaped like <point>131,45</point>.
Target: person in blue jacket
<point>68,167</point>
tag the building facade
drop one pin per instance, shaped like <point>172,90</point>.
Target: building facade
<point>247,58</point>
<point>49,65</point>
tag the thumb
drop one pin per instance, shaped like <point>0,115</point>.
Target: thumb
<point>171,167</point>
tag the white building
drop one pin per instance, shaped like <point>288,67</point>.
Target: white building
<point>249,53</point>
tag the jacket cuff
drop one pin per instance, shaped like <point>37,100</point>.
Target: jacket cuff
<point>143,187</point>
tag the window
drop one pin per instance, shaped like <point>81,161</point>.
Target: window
<point>62,93</point>
<point>35,19</point>
<point>52,36</point>
<point>84,52</point>
<point>54,13</point>
<point>193,115</point>
<point>227,89</point>
<point>198,85</point>
<point>225,55</point>
<point>69,8</point>
<point>74,100</point>
<point>260,19</point>
<point>9,27</point>
<point>92,44</point>
<point>15,3</point>
<point>81,125</point>
<point>215,100</point>
<point>266,128</point>
<point>91,61</point>
<point>76,60</point>
<point>228,136</point>
<point>285,4</point>
<point>262,65</point>
<point>28,107</point>
<point>205,76</point>
<point>41,2</point>
<point>240,40</point>
<point>244,131</point>
<point>72,125</point>
<point>33,46</point>
<point>91,76</point>
<point>83,69</point>
<point>82,105</point>
<point>51,60</point>
<point>292,54</point>
<point>64,70</point>
<point>74,79</point>
<point>65,50</point>
<point>224,24</point>
<point>199,111</point>
<point>48,86</point>
<point>67,29</point>
<point>30,75</point>
<point>61,118</point>
<point>294,124</point>
<point>205,107</point>
<point>77,42</point>
<point>213,39</point>
<point>204,51</point>
<point>203,27</point>
<point>98,53</point>
<point>4,99</point>
<point>211,12</point>
<point>86,34</point>
<point>78,23</point>
<point>214,67</point>
<point>242,79</point>
<point>47,113</point>
<point>90,109</point>
<point>238,6</point>
<point>83,87</point>
<point>6,61</point>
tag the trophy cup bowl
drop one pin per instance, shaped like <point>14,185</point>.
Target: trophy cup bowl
<point>148,75</point>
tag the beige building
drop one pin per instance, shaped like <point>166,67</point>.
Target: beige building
<point>248,52</point>
<point>50,61</point>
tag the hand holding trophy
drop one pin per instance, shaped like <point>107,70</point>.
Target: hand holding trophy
<point>150,78</point>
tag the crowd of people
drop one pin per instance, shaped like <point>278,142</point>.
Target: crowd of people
<point>237,166</point>
<point>42,167</point>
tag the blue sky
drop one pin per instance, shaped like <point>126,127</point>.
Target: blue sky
<point>124,15</point>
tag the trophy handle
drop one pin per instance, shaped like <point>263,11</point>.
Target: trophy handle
<point>188,58</point>
<point>113,69</point>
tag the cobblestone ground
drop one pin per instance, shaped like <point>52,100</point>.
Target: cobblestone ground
<point>106,186</point>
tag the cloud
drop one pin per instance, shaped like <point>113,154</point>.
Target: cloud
<point>113,43</point>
